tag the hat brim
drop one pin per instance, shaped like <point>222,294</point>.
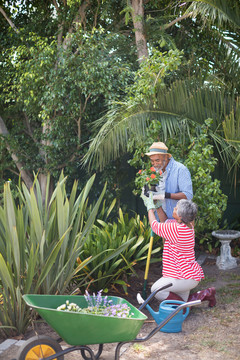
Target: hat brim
<point>157,153</point>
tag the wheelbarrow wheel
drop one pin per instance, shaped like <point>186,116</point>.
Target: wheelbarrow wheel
<point>100,349</point>
<point>39,347</point>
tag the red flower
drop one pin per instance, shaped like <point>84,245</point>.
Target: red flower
<point>140,171</point>
<point>160,172</point>
<point>152,169</point>
<point>147,178</point>
<point>153,176</point>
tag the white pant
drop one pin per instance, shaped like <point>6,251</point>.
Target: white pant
<point>180,287</point>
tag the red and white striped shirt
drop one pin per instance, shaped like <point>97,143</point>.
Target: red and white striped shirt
<point>178,252</point>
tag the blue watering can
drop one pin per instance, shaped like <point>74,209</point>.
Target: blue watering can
<point>165,309</point>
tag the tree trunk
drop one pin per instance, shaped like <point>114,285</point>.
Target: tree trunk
<point>25,175</point>
<point>138,23</point>
<point>8,20</point>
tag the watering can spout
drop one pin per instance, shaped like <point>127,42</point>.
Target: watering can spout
<point>154,314</point>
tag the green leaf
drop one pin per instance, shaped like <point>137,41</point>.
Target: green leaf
<point>50,260</point>
<point>6,276</point>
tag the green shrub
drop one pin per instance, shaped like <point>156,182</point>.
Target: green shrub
<point>104,271</point>
<point>39,246</point>
<point>207,193</point>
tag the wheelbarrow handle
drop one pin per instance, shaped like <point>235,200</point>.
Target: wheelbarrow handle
<point>153,294</point>
<point>191,303</point>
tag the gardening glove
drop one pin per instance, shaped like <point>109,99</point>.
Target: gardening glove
<point>148,201</point>
<point>159,196</point>
<point>158,203</point>
<point>144,191</point>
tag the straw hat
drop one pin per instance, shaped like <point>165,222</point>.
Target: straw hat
<point>158,148</point>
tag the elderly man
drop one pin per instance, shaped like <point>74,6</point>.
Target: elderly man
<point>178,183</point>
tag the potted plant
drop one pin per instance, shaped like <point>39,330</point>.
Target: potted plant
<point>148,179</point>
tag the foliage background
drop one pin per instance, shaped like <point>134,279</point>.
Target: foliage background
<point>49,117</point>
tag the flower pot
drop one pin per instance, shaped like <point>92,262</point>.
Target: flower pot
<point>148,188</point>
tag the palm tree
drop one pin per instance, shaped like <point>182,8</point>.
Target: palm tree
<point>186,100</point>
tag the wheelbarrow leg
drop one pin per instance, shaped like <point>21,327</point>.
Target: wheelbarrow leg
<point>97,355</point>
<point>71,349</point>
<point>117,351</point>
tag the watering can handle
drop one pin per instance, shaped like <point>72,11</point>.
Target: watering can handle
<point>176,302</point>
<point>186,313</point>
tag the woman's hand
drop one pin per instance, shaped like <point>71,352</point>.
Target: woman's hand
<point>148,201</point>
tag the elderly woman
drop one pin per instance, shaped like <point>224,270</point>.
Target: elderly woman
<point>179,265</point>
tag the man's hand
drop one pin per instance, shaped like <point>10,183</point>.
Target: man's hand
<point>148,201</point>
<point>159,196</point>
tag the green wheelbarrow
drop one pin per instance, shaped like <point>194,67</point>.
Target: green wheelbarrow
<point>81,330</point>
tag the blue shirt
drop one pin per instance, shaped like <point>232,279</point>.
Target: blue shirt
<point>178,180</point>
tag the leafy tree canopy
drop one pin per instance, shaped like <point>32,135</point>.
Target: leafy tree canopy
<point>66,63</point>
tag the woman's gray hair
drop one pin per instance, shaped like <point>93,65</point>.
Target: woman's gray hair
<point>187,210</point>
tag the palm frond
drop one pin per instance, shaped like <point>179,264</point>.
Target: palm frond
<point>225,71</point>
<point>231,124</point>
<point>183,100</point>
<point>231,128</point>
<point>221,11</point>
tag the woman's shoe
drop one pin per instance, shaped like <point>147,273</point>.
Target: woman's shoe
<point>205,295</point>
